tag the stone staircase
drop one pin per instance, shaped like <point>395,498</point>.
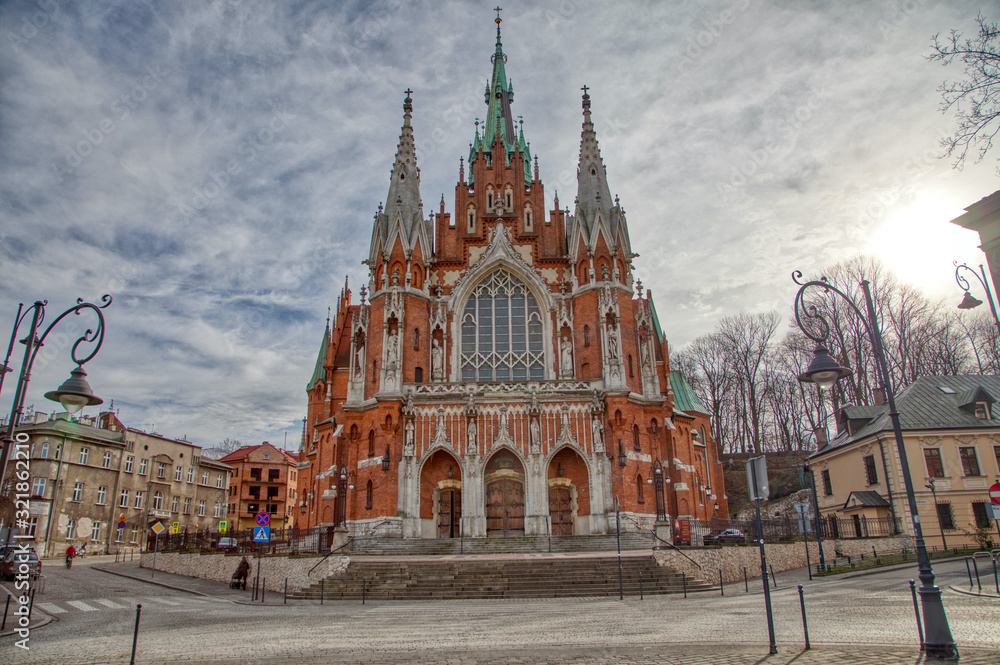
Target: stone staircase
<point>388,546</point>
<point>511,576</point>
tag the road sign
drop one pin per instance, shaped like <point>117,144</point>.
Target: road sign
<point>158,528</point>
<point>993,511</point>
<point>261,534</point>
<point>995,492</point>
<point>222,526</point>
<point>175,527</point>
<point>757,478</point>
<point>263,519</point>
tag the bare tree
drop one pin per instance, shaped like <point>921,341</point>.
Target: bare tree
<point>747,341</point>
<point>230,444</point>
<point>975,98</point>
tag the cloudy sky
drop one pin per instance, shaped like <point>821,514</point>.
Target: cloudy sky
<point>214,166</point>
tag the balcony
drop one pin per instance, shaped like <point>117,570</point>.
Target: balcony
<point>159,514</point>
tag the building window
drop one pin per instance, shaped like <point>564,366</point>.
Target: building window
<point>102,495</point>
<point>369,492</point>
<point>157,500</point>
<point>45,450</point>
<point>272,509</point>
<point>586,335</point>
<point>32,525</point>
<point>58,454</point>
<point>996,453</point>
<point>38,487</point>
<point>123,499</point>
<point>502,332</point>
<point>945,517</point>
<point>84,453</point>
<point>78,492</point>
<point>970,463</point>
<point>204,478</point>
<point>217,510</point>
<point>71,530</point>
<point>418,375</point>
<point>371,443</point>
<point>95,533</point>
<point>187,506</point>
<point>106,462</point>
<point>935,468</point>
<point>138,500</point>
<point>827,486</point>
<point>143,465</point>
<point>133,535</point>
<point>638,490</point>
<point>218,481</point>
<point>128,464</point>
<point>416,338</point>
<point>979,516</point>
<point>178,473</point>
<point>630,373</point>
<point>201,508</point>
<point>161,470</point>
<point>871,475</point>
<point>175,503</point>
<point>635,437</point>
<point>255,474</point>
<point>190,477</point>
<point>982,410</point>
<point>252,508</point>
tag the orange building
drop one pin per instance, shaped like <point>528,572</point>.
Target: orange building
<point>264,479</point>
<point>507,376</point>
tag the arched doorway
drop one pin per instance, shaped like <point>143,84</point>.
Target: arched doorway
<point>441,496</point>
<point>504,478</point>
<point>569,500</point>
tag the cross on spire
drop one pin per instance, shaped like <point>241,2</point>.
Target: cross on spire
<point>585,89</point>
<point>408,92</point>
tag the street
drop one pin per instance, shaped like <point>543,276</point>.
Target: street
<point>93,614</point>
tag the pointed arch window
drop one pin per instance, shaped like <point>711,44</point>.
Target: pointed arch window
<point>586,335</point>
<point>638,490</point>
<point>635,437</point>
<point>371,443</point>
<point>369,494</point>
<point>501,332</point>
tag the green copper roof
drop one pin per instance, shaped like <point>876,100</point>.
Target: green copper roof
<point>684,397</point>
<point>656,319</point>
<point>319,373</point>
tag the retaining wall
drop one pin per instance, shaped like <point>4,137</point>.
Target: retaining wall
<point>274,569</point>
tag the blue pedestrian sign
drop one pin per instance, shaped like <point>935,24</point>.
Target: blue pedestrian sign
<point>261,534</point>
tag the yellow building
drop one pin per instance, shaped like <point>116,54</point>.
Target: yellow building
<point>951,430</point>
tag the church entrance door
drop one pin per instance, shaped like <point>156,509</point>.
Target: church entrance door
<point>449,513</point>
<point>560,511</point>
<point>505,508</point>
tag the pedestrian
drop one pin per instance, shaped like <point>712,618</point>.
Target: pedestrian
<point>70,553</point>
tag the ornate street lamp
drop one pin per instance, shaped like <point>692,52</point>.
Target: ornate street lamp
<point>385,458</point>
<point>75,393</point>
<point>933,489</point>
<point>824,372</point>
<point>661,504</point>
<point>622,458</point>
<point>970,301</point>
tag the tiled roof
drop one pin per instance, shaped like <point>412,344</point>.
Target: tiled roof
<point>867,498</point>
<point>684,396</point>
<point>929,403</point>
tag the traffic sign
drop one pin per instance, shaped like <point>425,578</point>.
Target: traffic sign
<point>261,534</point>
<point>158,528</point>
<point>263,519</point>
<point>121,525</point>
<point>995,492</point>
<point>222,526</point>
<point>175,528</point>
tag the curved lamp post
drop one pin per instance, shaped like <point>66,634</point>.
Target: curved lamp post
<point>824,371</point>
<point>75,393</point>
<point>970,301</point>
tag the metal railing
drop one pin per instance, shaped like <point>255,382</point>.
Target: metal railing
<point>788,529</point>
<point>283,541</point>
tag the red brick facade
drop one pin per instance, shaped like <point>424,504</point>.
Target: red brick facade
<point>265,479</point>
<point>506,376</point>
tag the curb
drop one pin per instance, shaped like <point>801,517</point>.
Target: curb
<point>174,587</point>
<point>42,622</point>
<point>970,592</point>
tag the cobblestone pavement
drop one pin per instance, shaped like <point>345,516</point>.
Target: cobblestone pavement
<point>865,620</point>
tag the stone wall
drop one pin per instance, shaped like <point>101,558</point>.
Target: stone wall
<point>274,569</point>
<point>731,560</point>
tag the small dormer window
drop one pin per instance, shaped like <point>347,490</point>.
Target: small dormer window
<point>983,410</point>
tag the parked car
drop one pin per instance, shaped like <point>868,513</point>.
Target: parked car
<point>227,543</point>
<point>726,536</point>
<point>13,557</point>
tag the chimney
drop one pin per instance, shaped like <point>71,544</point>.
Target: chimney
<point>879,396</point>
<point>820,433</point>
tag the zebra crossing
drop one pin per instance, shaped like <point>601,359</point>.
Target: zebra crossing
<point>121,603</point>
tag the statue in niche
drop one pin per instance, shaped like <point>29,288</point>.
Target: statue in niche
<point>536,436</point>
<point>472,447</point>
<point>598,431</point>
<point>437,361</point>
<point>644,352</point>
<point>359,360</point>
<point>395,276</point>
<point>391,349</point>
<point>604,272</point>
<point>408,446</point>
<point>612,342</point>
<point>566,350</point>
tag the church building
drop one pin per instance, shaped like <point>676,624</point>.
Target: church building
<point>501,374</point>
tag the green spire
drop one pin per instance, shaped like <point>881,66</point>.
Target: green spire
<point>319,373</point>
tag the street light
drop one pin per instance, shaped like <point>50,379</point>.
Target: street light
<point>75,393</point>
<point>824,371</point>
<point>969,301</point>
<point>933,489</point>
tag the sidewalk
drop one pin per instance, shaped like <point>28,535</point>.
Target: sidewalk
<point>184,583</point>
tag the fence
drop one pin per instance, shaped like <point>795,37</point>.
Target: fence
<point>787,529</point>
<point>283,541</point>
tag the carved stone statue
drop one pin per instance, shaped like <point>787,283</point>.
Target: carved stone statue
<point>612,342</point>
<point>395,276</point>
<point>598,432</point>
<point>391,349</point>
<point>408,446</point>
<point>644,352</point>
<point>536,436</point>
<point>359,360</point>
<point>437,361</point>
<point>473,445</point>
<point>566,353</point>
